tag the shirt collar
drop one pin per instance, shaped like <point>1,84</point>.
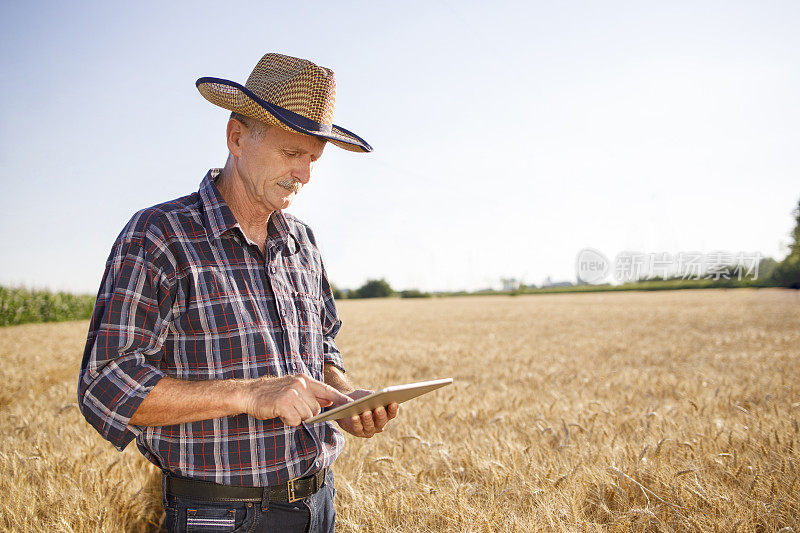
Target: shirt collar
<point>278,233</point>
<point>218,217</point>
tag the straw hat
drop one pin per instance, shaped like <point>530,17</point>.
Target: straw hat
<point>287,92</point>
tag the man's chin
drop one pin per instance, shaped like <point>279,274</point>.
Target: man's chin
<point>286,201</point>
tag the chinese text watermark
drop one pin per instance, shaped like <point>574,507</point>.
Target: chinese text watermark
<point>591,266</point>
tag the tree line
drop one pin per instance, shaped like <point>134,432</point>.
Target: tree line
<point>376,288</point>
<point>21,305</point>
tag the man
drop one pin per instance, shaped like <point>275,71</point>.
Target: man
<point>212,337</point>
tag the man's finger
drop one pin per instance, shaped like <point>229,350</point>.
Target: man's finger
<point>326,392</point>
<point>380,417</point>
<point>355,421</point>
<point>291,417</point>
<point>303,410</point>
<point>367,422</point>
<point>306,400</point>
<point>392,410</point>
<point>312,405</point>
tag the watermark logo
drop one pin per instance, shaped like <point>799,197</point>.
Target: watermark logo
<point>591,266</point>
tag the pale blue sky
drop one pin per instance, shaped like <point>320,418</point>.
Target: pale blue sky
<point>507,136</point>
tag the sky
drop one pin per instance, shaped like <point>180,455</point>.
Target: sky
<point>508,136</point>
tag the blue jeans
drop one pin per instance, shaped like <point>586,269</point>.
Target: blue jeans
<point>314,514</point>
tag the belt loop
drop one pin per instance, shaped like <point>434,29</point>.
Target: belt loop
<point>164,487</point>
<point>265,499</point>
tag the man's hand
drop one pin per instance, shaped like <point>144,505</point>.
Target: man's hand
<point>369,422</point>
<point>292,398</point>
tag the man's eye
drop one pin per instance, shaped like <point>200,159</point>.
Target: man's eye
<point>291,154</point>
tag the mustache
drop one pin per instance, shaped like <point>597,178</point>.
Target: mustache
<point>292,185</point>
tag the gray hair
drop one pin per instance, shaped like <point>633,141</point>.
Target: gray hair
<point>253,125</point>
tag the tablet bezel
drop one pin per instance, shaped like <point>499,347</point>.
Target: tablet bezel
<point>380,398</point>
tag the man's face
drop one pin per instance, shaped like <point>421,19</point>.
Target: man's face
<point>276,165</point>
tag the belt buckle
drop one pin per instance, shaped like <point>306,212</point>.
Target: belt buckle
<point>292,497</point>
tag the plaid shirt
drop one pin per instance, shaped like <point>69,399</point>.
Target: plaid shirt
<point>186,295</point>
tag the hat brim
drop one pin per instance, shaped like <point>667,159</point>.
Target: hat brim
<point>236,97</point>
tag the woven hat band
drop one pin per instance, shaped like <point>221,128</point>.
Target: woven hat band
<point>240,105</point>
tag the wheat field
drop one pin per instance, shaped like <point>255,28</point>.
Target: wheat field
<point>669,411</point>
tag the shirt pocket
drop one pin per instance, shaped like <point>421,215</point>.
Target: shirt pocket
<point>216,304</point>
<point>307,307</point>
<point>215,328</point>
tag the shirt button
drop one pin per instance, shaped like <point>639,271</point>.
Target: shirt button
<point>273,269</point>
<point>283,312</point>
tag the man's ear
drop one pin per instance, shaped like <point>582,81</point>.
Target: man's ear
<point>234,133</point>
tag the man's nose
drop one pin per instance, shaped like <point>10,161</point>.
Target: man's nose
<point>303,171</point>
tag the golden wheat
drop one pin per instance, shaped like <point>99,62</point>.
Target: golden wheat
<point>672,411</point>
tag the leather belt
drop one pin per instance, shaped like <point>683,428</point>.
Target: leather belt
<point>294,490</point>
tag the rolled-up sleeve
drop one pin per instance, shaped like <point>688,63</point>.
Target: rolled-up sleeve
<point>123,353</point>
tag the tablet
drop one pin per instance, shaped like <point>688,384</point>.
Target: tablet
<point>381,398</point>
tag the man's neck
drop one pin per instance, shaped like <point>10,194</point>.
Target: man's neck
<point>252,218</point>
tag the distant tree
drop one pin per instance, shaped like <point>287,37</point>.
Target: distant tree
<point>373,288</point>
<point>787,272</point>
<point>414,293</point>
<point>766,270</point>
<point>338,294</point>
